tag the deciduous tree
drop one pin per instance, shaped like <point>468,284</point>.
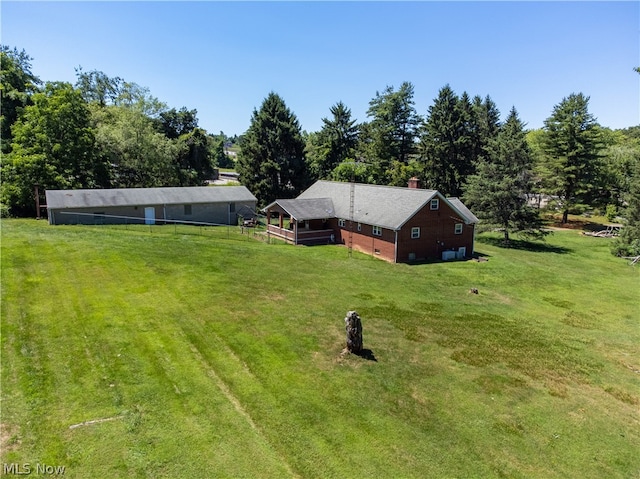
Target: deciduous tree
<point>97,87</point>
<point>137,154</point>
<point>194,158</point>
<point>17,84</point>
<point>53,146</point>
<point>175,123</point>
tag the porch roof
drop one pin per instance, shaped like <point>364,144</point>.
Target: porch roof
<point>305,209</point>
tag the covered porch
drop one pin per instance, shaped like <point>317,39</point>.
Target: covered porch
<point>307,221</point>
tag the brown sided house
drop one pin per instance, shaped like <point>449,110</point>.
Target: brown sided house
<point>396,224</point>
<point>196,204</point>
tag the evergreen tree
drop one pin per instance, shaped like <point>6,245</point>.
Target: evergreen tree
<point>390,135</point>
<point>571,152</point>
<point>334,143</point>
<point>439,152</point>
<point>487,117</point>
<point>497,192</point>
<point>272,160</point>
<point>628,243</point>
<point>470,144</point>
<point>454,137</point>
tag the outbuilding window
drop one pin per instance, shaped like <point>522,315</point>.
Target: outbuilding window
<point>415,232</point>
<point>458,229</point>
<point>187,210</point>
<point>377,231</point>
<point>435,204</point>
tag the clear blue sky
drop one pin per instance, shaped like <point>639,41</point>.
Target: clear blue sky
<point>223,58</point>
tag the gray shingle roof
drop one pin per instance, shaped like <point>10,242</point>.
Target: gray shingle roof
<point>467,215</point>
<point>57,199</point>
<point>386,206</point>
<point>306,209</point>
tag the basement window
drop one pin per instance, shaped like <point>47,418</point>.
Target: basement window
<point>359,226</point>
<point>415,232</point>
<point>458,229</point>
<point>341,223</point>
<point>187,210</point>
<point>377,231</point>
<point>435,204</point>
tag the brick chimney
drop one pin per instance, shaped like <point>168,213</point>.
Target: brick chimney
<point>414,183</point>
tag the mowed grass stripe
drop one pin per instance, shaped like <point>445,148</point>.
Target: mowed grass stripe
<point>113,356</point>
<point>506,383</point>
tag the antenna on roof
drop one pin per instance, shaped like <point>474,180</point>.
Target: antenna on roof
<point>352,194</point>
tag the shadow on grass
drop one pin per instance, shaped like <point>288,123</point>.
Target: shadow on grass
<point>368,355</point>
<point>476,257</point>
<point>533,246</point>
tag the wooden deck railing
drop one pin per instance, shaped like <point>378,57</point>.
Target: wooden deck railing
<point>304,236</point>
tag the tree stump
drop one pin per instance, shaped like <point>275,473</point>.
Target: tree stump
<point>354,332</point>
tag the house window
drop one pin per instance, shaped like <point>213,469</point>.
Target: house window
<point>359,226</point>
<point>415,232</point>
<point>187,210</point>
<point>435,204</point>
<point>341,223</point>
<point>377,231</point>
<point>458,229</point>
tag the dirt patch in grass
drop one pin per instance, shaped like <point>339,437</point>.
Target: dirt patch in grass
<point>578,223</point>
<point>621,395</point>
<point>9,439</point>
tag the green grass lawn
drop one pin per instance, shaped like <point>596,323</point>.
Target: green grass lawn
<point>205,353</point>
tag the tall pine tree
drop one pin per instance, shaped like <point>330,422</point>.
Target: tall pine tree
<point>571,152</point>
<point>439,152</point>
<point>272,159</point>
<point>497,192</point>
<point>334,143</point>
<point>389,138</point>
<point>628,243</point>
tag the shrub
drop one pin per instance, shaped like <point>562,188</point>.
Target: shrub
<point>612,212</point>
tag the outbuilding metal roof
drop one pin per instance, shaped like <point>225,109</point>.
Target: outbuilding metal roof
<point>60,199</point>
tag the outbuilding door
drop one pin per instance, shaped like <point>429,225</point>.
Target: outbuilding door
<point>150,215</point>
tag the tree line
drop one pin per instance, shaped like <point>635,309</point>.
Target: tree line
<point>460,148</point>
<point>105,132</point>
<point>102,132</point>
